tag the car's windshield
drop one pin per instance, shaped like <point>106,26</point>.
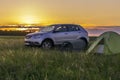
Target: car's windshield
<point>47,29</point>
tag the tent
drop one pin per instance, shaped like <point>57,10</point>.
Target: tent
<point>107,43</point>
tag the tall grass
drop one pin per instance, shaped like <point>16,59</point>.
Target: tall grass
<point>18,62</point>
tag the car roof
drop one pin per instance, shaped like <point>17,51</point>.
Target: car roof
<point>65,24</point>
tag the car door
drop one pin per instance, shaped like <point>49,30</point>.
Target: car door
<point>60,34</point>
<point>74,32</point>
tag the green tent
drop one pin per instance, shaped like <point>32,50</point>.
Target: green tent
<point>107,43</point>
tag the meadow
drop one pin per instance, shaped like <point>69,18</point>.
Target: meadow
<point>18,62</point>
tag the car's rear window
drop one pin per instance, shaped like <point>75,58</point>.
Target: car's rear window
<point>73,28</point>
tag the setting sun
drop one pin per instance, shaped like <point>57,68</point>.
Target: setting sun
<point>28,19</point>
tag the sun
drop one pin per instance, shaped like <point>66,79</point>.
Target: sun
<point>30,20</point>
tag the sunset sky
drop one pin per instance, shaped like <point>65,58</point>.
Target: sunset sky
<point>84,12</point>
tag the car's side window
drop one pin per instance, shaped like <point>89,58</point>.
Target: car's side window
<point>61,29</point>
<point>77,28</point>
<point>74,28</point>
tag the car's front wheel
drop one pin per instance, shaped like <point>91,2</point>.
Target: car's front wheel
<point>47,44</point>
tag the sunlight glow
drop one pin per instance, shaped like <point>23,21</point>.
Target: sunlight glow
<point>28,19</point>
<point>21,29</point>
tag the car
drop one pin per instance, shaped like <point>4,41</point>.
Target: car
<point>57,34</point>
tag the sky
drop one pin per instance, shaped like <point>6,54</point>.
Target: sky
<point>83,12</point>
<point>98,30</point>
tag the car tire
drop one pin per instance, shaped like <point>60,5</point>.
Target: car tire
<point>82,44</point>
<point>47,44</point>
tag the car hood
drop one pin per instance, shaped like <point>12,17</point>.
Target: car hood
<point>36,33</point>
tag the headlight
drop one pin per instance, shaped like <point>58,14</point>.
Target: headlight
<point>28,36</point>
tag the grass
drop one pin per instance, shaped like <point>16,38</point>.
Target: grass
<point>18,62</point>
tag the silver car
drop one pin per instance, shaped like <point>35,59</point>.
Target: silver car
<point>57,34</point>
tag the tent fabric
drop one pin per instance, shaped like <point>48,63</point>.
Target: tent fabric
<point>111,43</point>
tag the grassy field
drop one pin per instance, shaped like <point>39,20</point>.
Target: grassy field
<point>18,62</point>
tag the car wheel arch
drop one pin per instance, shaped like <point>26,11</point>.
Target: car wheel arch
<point>49,40</point>
<point>84,40</point>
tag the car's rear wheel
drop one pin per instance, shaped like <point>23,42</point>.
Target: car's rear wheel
<point>67,46</point>
<point>78,45</point>
<point>47,44</point>
<point>82,44</point>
